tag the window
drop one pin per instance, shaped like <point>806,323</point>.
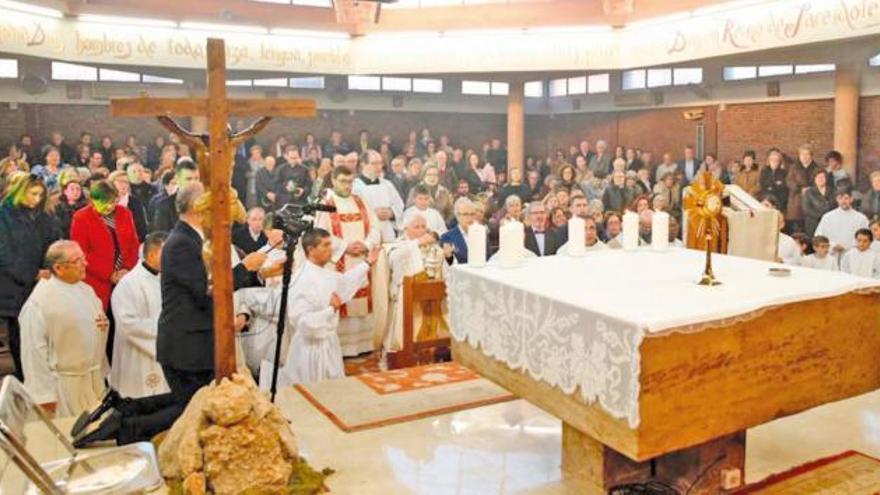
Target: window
<point>534,89</point>
<point>396,84</point>
<point>659,78</point>
<point>740,73</point>
<point>500,88</point>
<point>774,70</point>
<point>8,68</point>
<point>687,75</point>
<point>365,83</point>
<point>599,83</point>
<point>310,82</point>
<point>476,88</point>
<point>427,85</point>
<point>273,82</point>
<point>558,87</point>
<point>161,80</point>
<point>72,72</point>
<point>577,85</point>
<point>633,79</point>
<point>240,82</point>
<point>118,75</point>
<point>814,68</point>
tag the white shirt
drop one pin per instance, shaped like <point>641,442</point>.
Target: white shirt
<point>137,302</point>
<point>789,251</point>
<point>541,239</point>
<point>862,263</point>
<point>829,262</point>
<point>433,218</point>
<point>840,226</point>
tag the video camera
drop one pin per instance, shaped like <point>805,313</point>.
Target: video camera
<point>295,219</point>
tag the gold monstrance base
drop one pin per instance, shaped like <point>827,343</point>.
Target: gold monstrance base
<point>708,277</point>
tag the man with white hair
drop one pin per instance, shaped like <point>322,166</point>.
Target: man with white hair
<point>539,239</point>
<point>380,194</point>
<point>600,163</point>
<point>454,239</point>
<point>64,333</point>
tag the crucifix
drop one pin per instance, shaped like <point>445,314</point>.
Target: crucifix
<point>214,153</point>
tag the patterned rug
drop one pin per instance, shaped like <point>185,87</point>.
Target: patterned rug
<point>843,474</point>
<point>380,399</point>
<point>362,364</point>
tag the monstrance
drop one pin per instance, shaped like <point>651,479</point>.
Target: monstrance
<point>703,207</point>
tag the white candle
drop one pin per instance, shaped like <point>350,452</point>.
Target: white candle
<point>476,244</point>
<point>660,230</point>
<point>511,243</point>
<point>577,228</point>
<point>630,230</point>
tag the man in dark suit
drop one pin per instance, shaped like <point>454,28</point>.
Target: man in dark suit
<point>185,340</point>
<point>250,236</point>
<point>165,216</point>
<point>690,166</point>
<point>539,239</point>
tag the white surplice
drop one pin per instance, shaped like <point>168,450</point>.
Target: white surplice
<point>840,226</point>
<point>382,194</point>
<point>432,217</point>
<point>315,353</point>
<point>62,349</point>
<point>137,302</point>
<point>788,250</point>
<point>354,221</point>
<point>262,305</point>
<point>829,262</point>
<point>862,263</point>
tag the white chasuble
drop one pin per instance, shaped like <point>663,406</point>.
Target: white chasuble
<point>62,349</point>
<point>354,221</point>
<point>137,302</point>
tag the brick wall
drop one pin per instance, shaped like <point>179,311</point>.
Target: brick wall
<point>12,123</point>
<point>786,125</point>
<point>869,138</point>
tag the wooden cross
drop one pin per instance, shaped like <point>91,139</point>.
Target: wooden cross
<point>215,152</point>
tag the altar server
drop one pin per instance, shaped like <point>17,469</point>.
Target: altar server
<point>422,207</point>
<point>260,305</point>
<point>861,260</point>
<point>137,302</point>
<point>820,259</point>
<point>380,195</point>
<point>317,296</point>
<point>355,230</point>
<point>64,331</point>
<point>840,224</point>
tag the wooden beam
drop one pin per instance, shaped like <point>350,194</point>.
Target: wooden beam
<point>273,108</point>
<point>221,155</point>
<point>145,106</point>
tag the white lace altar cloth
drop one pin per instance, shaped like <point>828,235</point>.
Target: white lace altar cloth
<point>578,323</point>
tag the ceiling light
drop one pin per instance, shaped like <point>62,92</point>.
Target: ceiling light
<point>232,28</point>
<point>31,9</point>
<point>310,33</point>
<point>131,21</point>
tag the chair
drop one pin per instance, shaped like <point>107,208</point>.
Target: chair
<point>128,469</point>
<point>418,352</point>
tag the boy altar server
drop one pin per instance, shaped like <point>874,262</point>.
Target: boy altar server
<point>820,258</point>
<point>861,260</point>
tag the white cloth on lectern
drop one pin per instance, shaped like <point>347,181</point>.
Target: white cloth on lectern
<point>315,353</point>
<point>62,349</point>
<point>137,302</point>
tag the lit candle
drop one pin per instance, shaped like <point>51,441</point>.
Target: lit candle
<point>576,236</point>
<point>511,244</point>
<point>660,230</point>
<point>476,244</point>
<point>630,230</point>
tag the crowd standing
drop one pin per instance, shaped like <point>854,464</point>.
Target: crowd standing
<point>113,233</point>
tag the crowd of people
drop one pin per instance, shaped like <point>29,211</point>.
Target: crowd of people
<point>102,270</point>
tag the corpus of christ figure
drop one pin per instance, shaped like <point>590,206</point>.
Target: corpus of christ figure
<point>214,153</point>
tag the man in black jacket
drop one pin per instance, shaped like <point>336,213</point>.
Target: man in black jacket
<point>165,216</point>
<point>185,341</point>
<point>539,238</point>
<point>250,236</point>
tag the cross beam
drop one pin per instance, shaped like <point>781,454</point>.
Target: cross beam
<point>217,148</point>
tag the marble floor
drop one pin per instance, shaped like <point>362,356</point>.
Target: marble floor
<point>515,448</point>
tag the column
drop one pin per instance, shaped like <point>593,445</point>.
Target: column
<point>847,86</point>
<point>516,125</point>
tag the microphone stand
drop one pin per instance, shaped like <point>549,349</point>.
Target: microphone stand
<point>291,241</point>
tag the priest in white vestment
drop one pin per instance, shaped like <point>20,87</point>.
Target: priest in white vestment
<point>64,333</point>
<point>840,224</point>
<point>136,303</point>
<point>591,238</point>
<point>416,254</point>
<point>861,260</point>
<point>380,195</point>
<point>317,297</point>
<point>355,231</point>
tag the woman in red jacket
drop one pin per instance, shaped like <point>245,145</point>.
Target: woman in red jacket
<point>105,231</point>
